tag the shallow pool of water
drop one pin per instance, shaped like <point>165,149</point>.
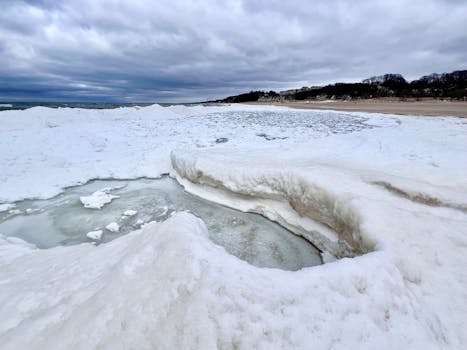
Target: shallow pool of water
<point>63,220</point>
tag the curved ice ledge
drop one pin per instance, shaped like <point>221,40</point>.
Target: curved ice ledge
<point>326,220</point>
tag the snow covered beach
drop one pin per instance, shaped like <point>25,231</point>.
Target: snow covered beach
<point>389,190</point>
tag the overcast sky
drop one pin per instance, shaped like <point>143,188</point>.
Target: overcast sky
<point>145,50</point>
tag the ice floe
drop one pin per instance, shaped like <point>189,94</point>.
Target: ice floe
<point>95,235</point>
<point>98,199</point>
<point>130,212</point>
<point>113,227</point>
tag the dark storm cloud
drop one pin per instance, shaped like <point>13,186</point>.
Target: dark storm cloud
<point>169,50</point>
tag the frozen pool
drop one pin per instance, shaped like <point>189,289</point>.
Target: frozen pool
<point>63,220</point>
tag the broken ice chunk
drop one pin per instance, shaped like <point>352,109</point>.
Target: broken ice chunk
<point>139,222</point>
<point>130,212</point>
<point>6,206</point>
<point>95,235</point>
<point>113,227</point>
<point>98,199</point>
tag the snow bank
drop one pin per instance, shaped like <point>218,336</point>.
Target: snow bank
<point>333,224</point>
<point>423,241</point>
<point>78,145</point>
<point>169,287</point>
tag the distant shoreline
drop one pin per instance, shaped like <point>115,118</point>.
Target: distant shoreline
<point>410,107</point>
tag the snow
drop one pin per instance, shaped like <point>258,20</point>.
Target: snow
<point>98,199</point>
<point>387,194</point>
<point>113,227</point>
<point>95,235</point>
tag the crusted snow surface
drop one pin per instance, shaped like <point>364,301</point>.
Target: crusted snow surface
<point>388,191</point>
<point>424,243</point>
<point>130,143</point>
<point>169,287</point>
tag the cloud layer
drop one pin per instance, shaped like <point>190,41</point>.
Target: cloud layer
<point>148,50</point>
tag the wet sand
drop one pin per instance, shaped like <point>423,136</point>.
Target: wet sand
<point>428,107</point>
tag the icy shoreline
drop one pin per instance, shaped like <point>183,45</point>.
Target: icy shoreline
<point>168,286</point>
<point>65,221</point>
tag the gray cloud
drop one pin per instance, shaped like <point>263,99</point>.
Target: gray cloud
<point>195,50</point>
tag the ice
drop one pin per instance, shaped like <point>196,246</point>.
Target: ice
<point>14,211</point>
<point>6,207</point>
<point>95,235</point>
<point>113,227</point>
<point>61,221</point>
<point>130,212</point>
<point>108,140</point>
<point>98,199</point>
<point>387,190</point>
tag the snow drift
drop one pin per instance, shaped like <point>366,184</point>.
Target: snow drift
<point>169,287</point>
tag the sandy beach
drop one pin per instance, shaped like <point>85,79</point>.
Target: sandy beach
<point>427,107</point>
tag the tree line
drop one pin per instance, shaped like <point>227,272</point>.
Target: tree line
<point>447,85</point>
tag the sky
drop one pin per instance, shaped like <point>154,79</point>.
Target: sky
<point>182,51</point>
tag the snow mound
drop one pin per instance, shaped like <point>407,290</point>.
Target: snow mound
<point>156,110</point>
<point>320,200</point>
<point>167,286</point>
<point>12,248</point>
